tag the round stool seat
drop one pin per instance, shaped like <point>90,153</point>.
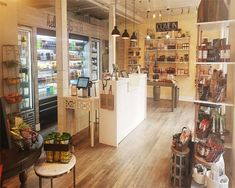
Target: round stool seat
<point>54,170</point>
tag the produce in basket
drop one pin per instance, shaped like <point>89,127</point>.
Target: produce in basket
<point>24,136</point>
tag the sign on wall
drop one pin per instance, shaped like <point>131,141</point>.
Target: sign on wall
<point>166,26</point>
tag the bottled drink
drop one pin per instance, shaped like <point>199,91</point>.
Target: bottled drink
<point>222,53</point>
<point>227,53</point>
<point>199,53</point>
<point>204,53</point>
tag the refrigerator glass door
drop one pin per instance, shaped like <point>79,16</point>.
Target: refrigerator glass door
<point>78,60</point>
<point>25,69</point>
<point>95,47</point>
<point>47,73</point>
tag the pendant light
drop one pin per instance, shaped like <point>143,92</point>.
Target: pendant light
<point>133,36</point>
<point>147,16</point>
<point>115,32</point>
<point>125,35</point>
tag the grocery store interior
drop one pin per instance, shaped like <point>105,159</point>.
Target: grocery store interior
<point>117,93</point>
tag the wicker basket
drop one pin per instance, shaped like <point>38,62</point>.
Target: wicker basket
<point>13,99</point>
<point>12,81</point>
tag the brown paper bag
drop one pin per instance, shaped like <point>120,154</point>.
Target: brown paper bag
<point>103,101</point>
<point>110,99</point>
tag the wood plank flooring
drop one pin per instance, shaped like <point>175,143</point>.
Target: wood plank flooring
<point>141,160</point>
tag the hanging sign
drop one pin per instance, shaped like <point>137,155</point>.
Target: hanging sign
<point>166,26</point>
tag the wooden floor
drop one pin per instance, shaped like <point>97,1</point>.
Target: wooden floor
<point>141,160</point>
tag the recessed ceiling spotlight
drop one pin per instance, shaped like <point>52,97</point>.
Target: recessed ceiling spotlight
<point>160,14</point>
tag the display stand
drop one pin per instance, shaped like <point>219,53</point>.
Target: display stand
<point>180,167</point>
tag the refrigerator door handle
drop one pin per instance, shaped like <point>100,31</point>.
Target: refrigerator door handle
<point>46,109</point>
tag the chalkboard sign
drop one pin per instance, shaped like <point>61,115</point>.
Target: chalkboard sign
<point>166,26</point>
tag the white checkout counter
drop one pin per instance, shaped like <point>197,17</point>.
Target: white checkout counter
<point>130,101</point>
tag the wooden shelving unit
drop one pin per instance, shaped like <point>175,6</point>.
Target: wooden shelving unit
<point>163,54</point>
<point>11,79</point>
<point>133,56</point>
<point>212,100</point>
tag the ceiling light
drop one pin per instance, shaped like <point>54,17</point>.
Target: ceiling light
<point>160,14</point>
<point>115,32</point>
<point>148,37</point>
<point>125,35</point>
<point>167,35</point>
<point>133,36</point>
<point>154,15</point>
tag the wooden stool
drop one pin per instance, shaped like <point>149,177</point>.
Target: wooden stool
<point>54,170</point>
<point>179,168</point>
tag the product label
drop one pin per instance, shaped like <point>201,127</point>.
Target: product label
<point>222,55</point>
<point>204,54</point>
<point>199,54</point>
<point>227,54</point>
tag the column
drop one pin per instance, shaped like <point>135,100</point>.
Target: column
<point>112,40</point>
<point>232,42</point>
<point>61,59</point>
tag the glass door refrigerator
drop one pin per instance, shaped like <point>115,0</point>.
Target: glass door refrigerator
<point>27,107</point>
<point>78,57</point>
<point>47,74</point>
<point>95,59</point>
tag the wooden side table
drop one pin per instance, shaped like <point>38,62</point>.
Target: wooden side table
<point>74,103</point>
<point>54,170</point>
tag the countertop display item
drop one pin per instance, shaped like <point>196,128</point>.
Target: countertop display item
<point>58,147</point>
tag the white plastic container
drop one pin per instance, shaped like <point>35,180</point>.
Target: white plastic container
<point>213,184</point>
<point>198,177</point>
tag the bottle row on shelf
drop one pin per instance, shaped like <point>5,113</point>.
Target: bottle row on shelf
<point>172,58</point>
<point>46,44</point>
<point>216,50</point>
<point>172,70</point>
<point>163,46</point>
<point>47,90</point>
<point>46,56</point>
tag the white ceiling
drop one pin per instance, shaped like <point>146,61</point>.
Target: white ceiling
<point>100,8</point>
<point>154,6</point>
